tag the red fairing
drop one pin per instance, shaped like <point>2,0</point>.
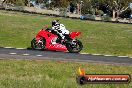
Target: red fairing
<point>74,34</point>
<point>43,33</point>
<point>49,36</point>
<point>57,47</point>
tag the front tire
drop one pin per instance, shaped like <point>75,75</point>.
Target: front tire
<point>33,44</point>
<point>40,45</point>
<point>74,48</point>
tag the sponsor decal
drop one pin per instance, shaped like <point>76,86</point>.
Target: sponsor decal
<point>84,78</point>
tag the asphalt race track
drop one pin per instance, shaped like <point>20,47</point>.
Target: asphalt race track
<point>20,53</point>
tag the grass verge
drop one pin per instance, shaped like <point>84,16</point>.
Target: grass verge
<point>54,74</point>
<point>18,29</point>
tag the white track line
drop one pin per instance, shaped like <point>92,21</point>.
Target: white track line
<point>96,54</point>
<point>13,53</point>
<point>122,56</point>
<point>8,47</point>
<point>20,48</point>
<point>84,53</point>
<point>108,55</point>
<point>39,55</point>
<point>105,55</point>
<point>25,54</point>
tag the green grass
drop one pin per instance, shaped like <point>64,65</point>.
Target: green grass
<point>17,30</point>
<point>54,74</point>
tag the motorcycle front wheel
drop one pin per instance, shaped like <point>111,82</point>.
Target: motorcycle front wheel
<point>33,44</point>
<point>75,46</point>
<point>40,46</point>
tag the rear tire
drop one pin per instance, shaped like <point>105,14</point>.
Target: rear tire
<point>74,49</point>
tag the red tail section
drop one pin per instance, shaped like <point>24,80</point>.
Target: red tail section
<point>74,34</point>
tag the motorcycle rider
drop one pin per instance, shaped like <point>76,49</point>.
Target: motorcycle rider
<point>60,29</point>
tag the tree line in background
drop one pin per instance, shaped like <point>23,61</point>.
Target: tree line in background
<point>16,2</point>
<point>113,8</point>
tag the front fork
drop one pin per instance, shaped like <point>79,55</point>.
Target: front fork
<point>39,42</point>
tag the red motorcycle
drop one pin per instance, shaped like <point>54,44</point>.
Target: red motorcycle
<point>46,40</point>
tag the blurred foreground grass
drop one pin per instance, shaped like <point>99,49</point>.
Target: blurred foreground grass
<point>54,74</point>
